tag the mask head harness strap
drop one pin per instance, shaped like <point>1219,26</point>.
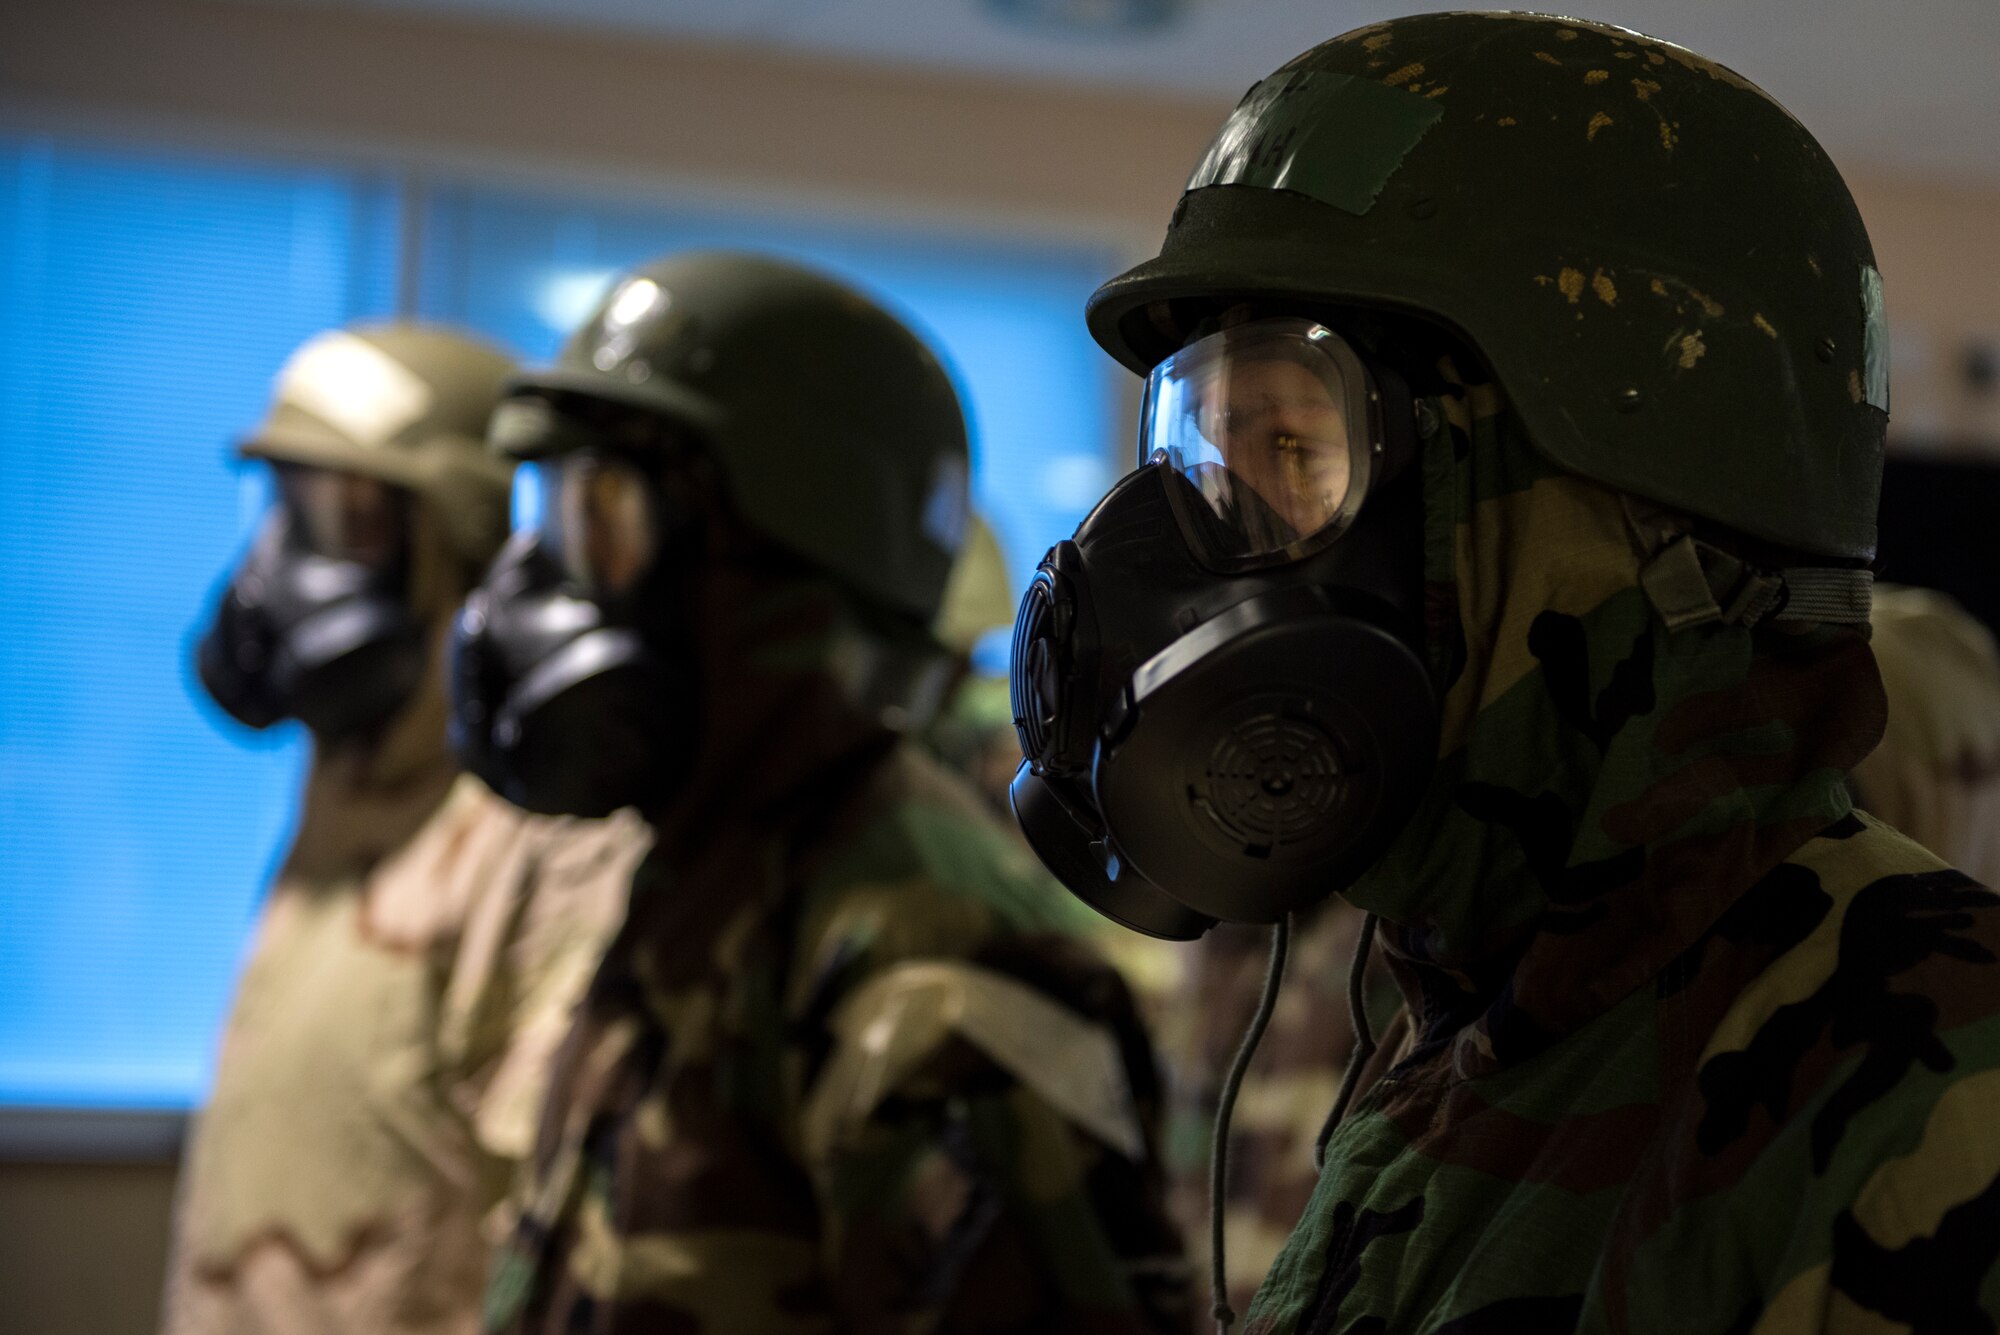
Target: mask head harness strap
<point>1691,582</point>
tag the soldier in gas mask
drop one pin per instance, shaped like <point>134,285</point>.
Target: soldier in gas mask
<point>1497,558</point>
<point>416,959</point>
<point>843,1067</point>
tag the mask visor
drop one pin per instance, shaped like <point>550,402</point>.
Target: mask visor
<point>597,517</point>
<point>1274,426</point>
<point>346,516</point>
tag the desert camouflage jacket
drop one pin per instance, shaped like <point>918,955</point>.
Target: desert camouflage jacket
<point>1689,1044</point>
<point>1936,776</point>
<point>412,972</point>
<point>846,1067</point>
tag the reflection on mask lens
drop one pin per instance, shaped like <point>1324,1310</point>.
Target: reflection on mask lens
<point>1280,434</point>
<point>1268,421</point>
<point>597,520</point>
<point>346,516</point>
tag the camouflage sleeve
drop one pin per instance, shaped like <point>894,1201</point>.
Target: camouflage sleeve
<point>1873,1203</point>
<point>983,1154</point>
<point>1914,1245</point>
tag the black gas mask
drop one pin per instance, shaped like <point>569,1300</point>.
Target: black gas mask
<point>316,623</point>
<point>573,679</point>
<point>1219,681</point>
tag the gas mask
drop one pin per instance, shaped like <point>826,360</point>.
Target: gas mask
<point>572,682</point>
<point>1219,681</point>
<point>316,623</point>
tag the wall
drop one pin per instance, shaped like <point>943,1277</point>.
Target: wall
<point>732,124</point>
<point>83,1247</point>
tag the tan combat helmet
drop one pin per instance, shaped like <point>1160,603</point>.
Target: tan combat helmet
<point>406,403</point>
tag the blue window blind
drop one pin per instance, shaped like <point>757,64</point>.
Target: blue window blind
<point>1007,318</point>
<point>145,303</point>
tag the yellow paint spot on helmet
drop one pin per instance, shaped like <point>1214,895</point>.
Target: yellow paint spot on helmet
<point>1659,288</point>
<point>1606,290</point>
<point>1668,139</point>
<point>1812,262</point>
<point>1438,91</point>
<point>1543,280</point>
<point>1763,324</point>
<point>1854,390</point>
<point>1655,58</point>
<point>1506,120</point>
<point>1397,78</point>
<point>1597,122</point>
<point>1693,350</point>
<point>1645,88</point>
<point>1378,41</point>
<point>1546,58</point>
<point>1625,55</point>
<point>1595,77</point>
<point>1571,283</point>
<point>1566,34</point>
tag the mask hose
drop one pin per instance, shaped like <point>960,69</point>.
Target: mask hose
<point>1218,1150</point>
<point>1364,1040</point>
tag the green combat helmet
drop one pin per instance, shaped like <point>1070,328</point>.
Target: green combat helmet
<point>403,403</point>
<point>837,431</point>
<point>1664,270</point>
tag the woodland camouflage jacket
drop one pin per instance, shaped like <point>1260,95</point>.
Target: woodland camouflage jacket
<point>846,1067</point>
<point>1689,1044</point>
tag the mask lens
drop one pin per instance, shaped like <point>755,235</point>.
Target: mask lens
<point>346,516</point>
<point>597,519</point>
<point>1269,424</point>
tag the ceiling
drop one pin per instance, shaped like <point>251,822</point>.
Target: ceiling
<point>1911,84</point>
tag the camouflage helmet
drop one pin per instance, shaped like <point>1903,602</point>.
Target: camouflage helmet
<point>1663,269</point>
<point>406,403</point>
<point>837,432</point>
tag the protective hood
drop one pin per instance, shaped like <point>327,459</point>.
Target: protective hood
<point>1607,786</point>
<point>795,681</point>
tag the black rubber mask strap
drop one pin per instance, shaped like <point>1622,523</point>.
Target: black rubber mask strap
<point>1364,1041</point>
<point>1218,1150</point>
